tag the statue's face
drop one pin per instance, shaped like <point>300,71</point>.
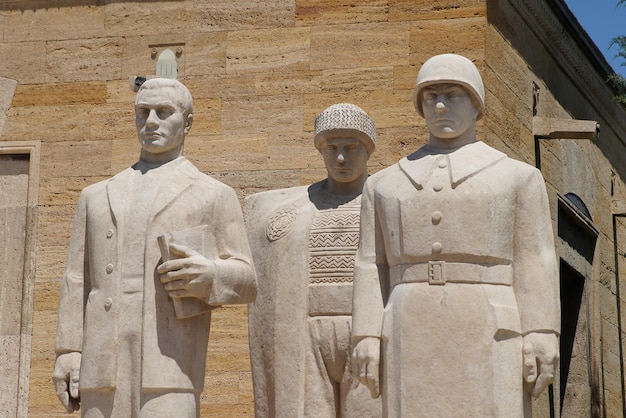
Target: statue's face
<point>160,120</point>
<point>345,159</point>
<point>448,110</point>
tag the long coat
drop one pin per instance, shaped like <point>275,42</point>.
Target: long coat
<point>173,350</point>
<point>456,262</point>
<point>278,224</point>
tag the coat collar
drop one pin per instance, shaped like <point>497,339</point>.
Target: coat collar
<point>181,172</point>
<point>462,163</point>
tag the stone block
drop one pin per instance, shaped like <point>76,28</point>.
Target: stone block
<point>358,79</point>
<point>51,261</point>
<point>404,77</point>
<point>63,190</point>
<point>23,61</point>
<point>309,12</point>
<point>350,46</point>
<point>52,23</point>
<point>60,94</point>
<point>425,9</point>
<point>261,114</point>
<point>46,297</point>
<point>119,91</point>
<point>268,50</point>
<point>130,18</point>
<point>218,153</point>
<point>112,121</point>
<point>392,144</point>
<point>55,223</point>
<point>467,35</point>
<point>84,59</point>
<point>44,123</point>
<point>206,118</point>
<point>205,54</point>
<point>124,153</point>
<point>287,151</point>
<point>291,82</point>
<point>86,158</point>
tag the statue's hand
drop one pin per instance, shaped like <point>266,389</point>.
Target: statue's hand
<point>366,363</point>
<point>187,274</point>
<point>541,356</point>
<point>66,378</point>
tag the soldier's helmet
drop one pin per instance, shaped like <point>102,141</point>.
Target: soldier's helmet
<point>452,69</point>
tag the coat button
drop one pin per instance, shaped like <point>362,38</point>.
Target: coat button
<point>436,217</point>
<point>109,268</point>
<point>109,233</point>
<point>442,163</point>
<point>107,304</point>
<point>437,247</point>
<point>438,187</point>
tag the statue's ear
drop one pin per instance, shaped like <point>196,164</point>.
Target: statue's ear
<point>188,123</point>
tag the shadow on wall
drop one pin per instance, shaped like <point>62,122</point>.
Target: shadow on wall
<point>52,4</point>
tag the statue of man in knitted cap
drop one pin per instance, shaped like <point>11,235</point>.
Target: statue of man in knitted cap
<point>303,243</point>
<point>456,291</point>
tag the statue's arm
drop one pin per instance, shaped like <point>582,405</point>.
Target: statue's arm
<point>536,284</point>
<point>367,296</point>
<point>69,336</point>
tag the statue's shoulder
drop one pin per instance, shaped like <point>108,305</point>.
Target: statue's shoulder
<point>99,187</point>
<point>262,204</point>
<point>386,174</point>
<point>277,196</point>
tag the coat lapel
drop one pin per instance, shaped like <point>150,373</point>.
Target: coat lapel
<point>117,193</point>
<point>181,177</point>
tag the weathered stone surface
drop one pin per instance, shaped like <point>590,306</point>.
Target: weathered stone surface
<point>60,94</point>
<point>181,17</point>
<point>425,9</point>
<point>23,61</point>
<point>268,50</point>
<point>466,34</point>
<point>341,12</point>
<point>54,23</point>
<point>296,82</point>
<point>262,114</point>
<point>375,44</point>
<point>76,158</point>
<point>91,59</point>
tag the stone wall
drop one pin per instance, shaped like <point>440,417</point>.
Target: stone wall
<point>259,72</point>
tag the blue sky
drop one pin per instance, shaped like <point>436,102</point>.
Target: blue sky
<point>602,20</point>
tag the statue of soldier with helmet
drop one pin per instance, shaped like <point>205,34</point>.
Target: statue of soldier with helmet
<point>456,290</point>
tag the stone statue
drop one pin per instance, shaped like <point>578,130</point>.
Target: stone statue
<point>123,348</point>
<point>456,290</point>
<point>303,242</point>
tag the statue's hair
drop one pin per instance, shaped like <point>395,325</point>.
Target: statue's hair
<point>185,101</point>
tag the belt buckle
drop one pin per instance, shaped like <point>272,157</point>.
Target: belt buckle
<point>436,272</point>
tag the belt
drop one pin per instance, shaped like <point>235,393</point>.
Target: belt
<point>442,272</point>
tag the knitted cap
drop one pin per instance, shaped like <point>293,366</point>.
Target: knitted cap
<point>345,119</point>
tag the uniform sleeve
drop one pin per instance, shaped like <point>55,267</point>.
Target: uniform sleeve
<point>235,279</point>
<point>74,286</point>
<point>536,277</point>
<point>370,272</point>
